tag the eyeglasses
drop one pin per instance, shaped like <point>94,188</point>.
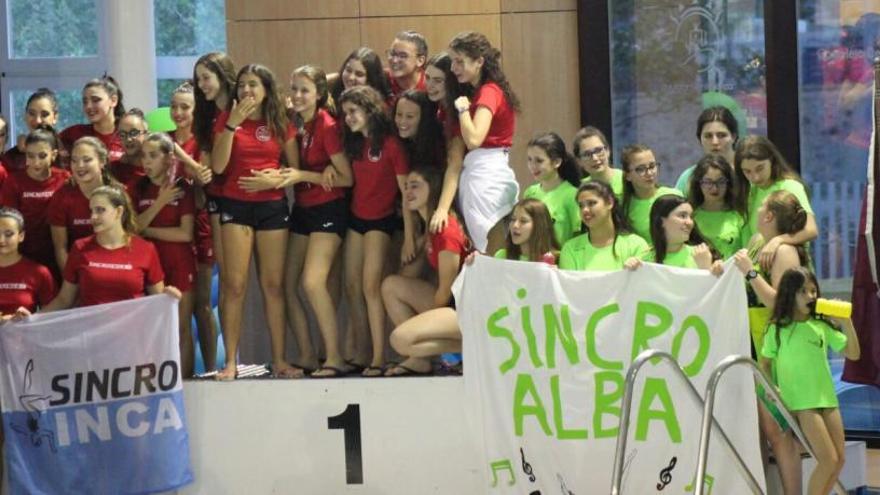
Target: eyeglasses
<point>593,152</point>
<point>398,55</point>
<point>709,183</point>
<point>130,134</point>
<point>646,169</point>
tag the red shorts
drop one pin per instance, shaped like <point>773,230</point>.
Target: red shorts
<point>204,245</point>
<point>179,267</point>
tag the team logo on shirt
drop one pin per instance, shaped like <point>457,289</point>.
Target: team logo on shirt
<point>374,158</point>
<point>263,134</point>
<point>37,194</point>
<point>82,221</point>
<point>13,286</point>
<point>110,266</point>
<point>115,155</point>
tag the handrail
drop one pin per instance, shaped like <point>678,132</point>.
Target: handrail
<point>709,404</point>
<point>626,406</point>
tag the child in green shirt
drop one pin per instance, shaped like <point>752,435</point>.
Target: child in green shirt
<point>558,177</point>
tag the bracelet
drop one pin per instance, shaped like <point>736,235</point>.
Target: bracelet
<point>229,127</point>
<point>462,110</point>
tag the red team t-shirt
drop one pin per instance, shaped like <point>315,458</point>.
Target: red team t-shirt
<point>27,284</point>
<point>253,148</point>
<point>126,173</point>
<point>111,141</point>
<point>451,238</point>
<point>32,199</point>
<point>396,89</point>
<point>204,241</point>
<point>503,125</point>
<point>319,140</point>
<point>3,175</point>
<point>176,258</point>
<point>110,275</point>
<point>451,126</point>
<point>69,208</point>
<point>375,180</point>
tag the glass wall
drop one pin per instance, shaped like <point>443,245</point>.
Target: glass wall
<point>670,60</point>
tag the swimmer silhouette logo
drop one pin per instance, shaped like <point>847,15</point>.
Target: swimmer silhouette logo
<point>699,31</point>
<point>35,405</point>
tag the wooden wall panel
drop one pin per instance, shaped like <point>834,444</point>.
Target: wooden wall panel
<point>388,8</point>
<point>540,59</point>
<point>238,10</point>
<point>514,6</point>
<point>378,32</point>
<point>285,45</point>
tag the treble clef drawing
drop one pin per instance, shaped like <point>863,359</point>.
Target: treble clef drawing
<point>666,474</point>
<point>526,467</point>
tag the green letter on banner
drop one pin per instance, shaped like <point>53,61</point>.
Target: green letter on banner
<point>592,352</point>
<point>525,385</point>
<point>569,344</point>
<point>558,420</point>
<point>607,402</point>
<point>656,387</point>
<point>500,332</point>
<point>702,332</point>
<point>643,331</point>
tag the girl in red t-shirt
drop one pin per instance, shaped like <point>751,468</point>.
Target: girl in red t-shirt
<point>102,106</point>
<point>362,67</point>
<point>380,166</point>
<point>41,109</point>
<point>214,75</point>
<point>23,283</point>
<point>30,191</point>
<point>443,88</point>
<point>114,264</point>
<point>132,130</point>
<point>166,215</point>
<point>69,213</point>
<point>248,139</point>
<point>319,217</point>
<point>487,189</point>
<point>186,149</point>
<point>406,295</point>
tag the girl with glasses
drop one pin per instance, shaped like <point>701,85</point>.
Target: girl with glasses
<point>640,189</point>
<point>132,130</point>
<point>591,149</point>
<point>713,195</point>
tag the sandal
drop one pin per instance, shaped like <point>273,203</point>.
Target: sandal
<point>402,370</point>
<point>334,372</point>
<point>373,372</point>
<point>289,372</point>
<point>353,367</point>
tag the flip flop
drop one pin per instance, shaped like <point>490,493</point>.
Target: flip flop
<point>353,367</point>
<point>306,370</point>
<point>372,372</point>
<point>288,373</point>
<point>336,372</point>
<point>406,371</point>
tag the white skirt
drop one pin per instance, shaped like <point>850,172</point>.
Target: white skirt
<point>487,191</point>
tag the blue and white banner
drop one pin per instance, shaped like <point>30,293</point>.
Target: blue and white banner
<point>92,400</point>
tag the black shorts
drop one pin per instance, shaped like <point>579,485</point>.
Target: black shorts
<point>213,204</point>
<point>330,217</point>
<point>361,226</point>
<point>259,215</point>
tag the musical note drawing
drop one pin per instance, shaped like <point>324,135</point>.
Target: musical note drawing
<point>526,467</point>
<point>31,404</point>
<point>707,484</point>
<point>502,465</point>
<point>666,474</point>
<point>562,487</point>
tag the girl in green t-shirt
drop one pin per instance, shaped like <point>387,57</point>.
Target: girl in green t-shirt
<point>558,176</point>
<point>713,196</point>
<point>590,146</point>
<point>717,130</point>
<point>530,236</point>
<point>640,187</point>
<point>797,341</point>
<point>608,243</point>
<point>761,170</point>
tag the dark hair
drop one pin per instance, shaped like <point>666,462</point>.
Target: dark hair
<point>434,178</point>
<point>719,163</point>
<point>117,197</point>
<point>660,210</point>
<point>41,93</point>
<point>588,132</point>
<point>15,215</point>
<point>166,146</point>
<point>475,45</point>
<point>318,77</point>
<point>272,108</point>
<point>206,111</point>
<point>453,88</point>
<point>760,148</point>
<point>112,88</point>
<point>618,219</point>
<point>375,73</point>
<point>135,112</point>
<point>718,114</point>
<point>427,147</point>
<point>543,238</point>
<point>43,133</point>
<point>786,296</point>
<point>626,157</point>
<point>379,123</point>
<point>416,39</point>
<point>107,178</point>
<point>554,147</point>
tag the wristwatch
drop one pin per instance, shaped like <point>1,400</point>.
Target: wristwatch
<point>751,275</point>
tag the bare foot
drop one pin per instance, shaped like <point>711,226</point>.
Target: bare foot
<point>227,374</point>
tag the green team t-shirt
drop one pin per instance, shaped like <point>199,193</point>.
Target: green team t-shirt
<point>616,182</point>
<point>561,201</point>
<point>639,213</point>
<point>757,195</point>
<point>502,254</point>
<point>580,254</point>
<point>683,182</point>
<point>683,258</point>
<point>801,362</point>
<point>723,229</point>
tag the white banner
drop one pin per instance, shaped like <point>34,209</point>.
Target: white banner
<point>546,355</point>
<point>92,400</point>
